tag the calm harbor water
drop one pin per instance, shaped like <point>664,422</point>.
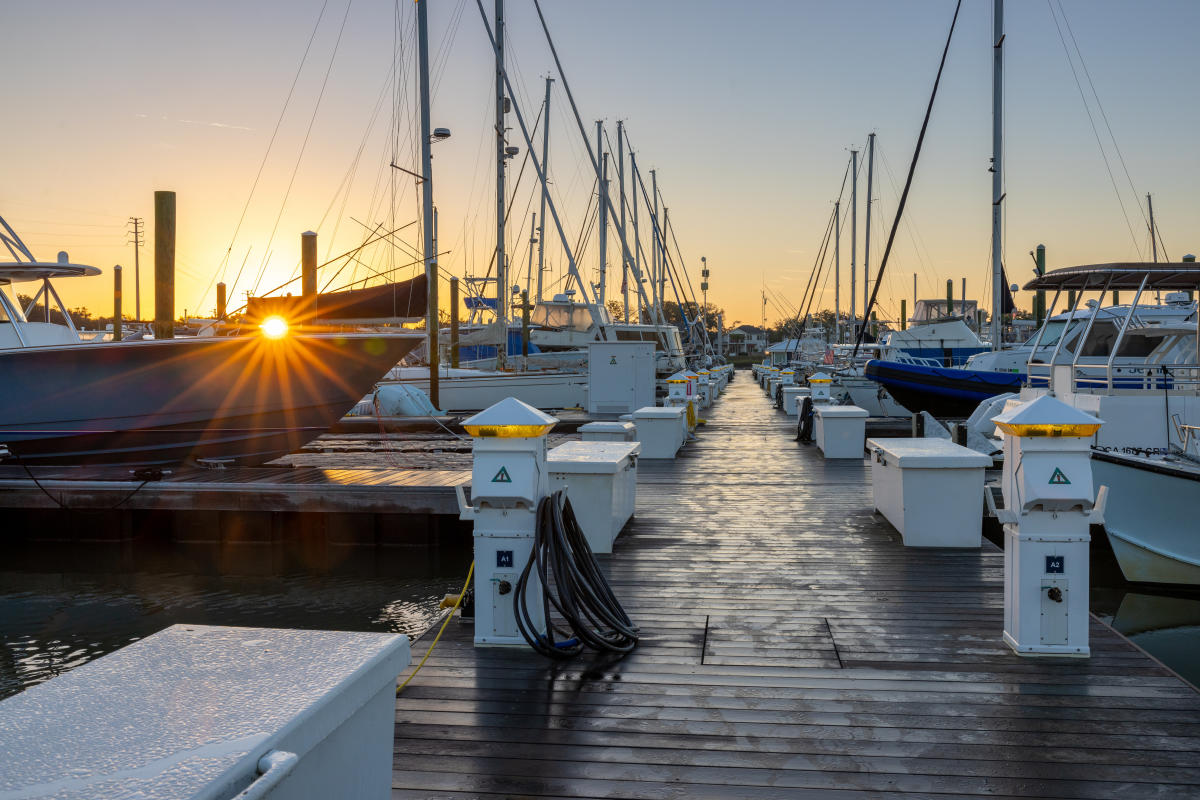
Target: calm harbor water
<point>61,609</point>
<point>62,606</point>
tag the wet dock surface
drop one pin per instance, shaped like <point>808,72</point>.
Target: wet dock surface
<point>792,647</point>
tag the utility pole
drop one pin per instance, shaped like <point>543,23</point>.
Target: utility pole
<point>853,238</point>
<point>837,271</point>
<point>867,233</point>
<point>139,239</point>
<point>427,213</point>
<point>545,186</point>
<point>621,186</point>
<point>501,265</point>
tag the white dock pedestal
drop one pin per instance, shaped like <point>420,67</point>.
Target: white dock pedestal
<point>792,397</point>
<point>931,490</point>
<point>839,430</point>
<point>601,482</point>
<point>608,431</point>
<point>207,712</point>
<point>662,431</point>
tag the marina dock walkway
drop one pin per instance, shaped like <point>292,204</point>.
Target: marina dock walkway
<point>793,648</point>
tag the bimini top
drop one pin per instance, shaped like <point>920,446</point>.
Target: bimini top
<point>21,271</point>
<point>1180,275</point>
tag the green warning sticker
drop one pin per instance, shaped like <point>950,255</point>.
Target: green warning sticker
<point>1058,478</point>
<point>502,476</point>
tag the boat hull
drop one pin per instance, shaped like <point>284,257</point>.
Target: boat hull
<point>462,392</point>
<point>248,399</point>
<point>1151,517</point>
<point>942,391</point>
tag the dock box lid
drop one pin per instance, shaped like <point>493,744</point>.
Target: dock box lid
<point>608,427</point>
<point>189,711</point>
<point>591,457</point>
<point>927,454</point>
<point>659,412</point>
<point>840,411</point>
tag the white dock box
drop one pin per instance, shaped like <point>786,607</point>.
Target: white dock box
<point>793,396</point>
<point>931,490</point>
<point>839,430</point>
<point>662,431</point>
<point>601,481</point>
<point>196,711</point>
<point>614,431</point>
<point>620,376</point>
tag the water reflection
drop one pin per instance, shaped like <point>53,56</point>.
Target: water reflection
<point>1165,626</point>
<point>61,606</point>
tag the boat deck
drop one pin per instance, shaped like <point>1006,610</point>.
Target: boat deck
<point>792,648</point>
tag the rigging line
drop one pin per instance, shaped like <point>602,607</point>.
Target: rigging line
<point>816,274</point>
<point>304,145</point>
<point>1103,115</point>
<point>912,168</point>
<point>914,233</point>
<point>266,155</point>
<point>1095,131</point>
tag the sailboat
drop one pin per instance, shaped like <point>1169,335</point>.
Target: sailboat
<point>246,399</point>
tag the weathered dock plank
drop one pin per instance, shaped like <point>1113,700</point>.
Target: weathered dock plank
<point>793,648</point>
<point>271,489</point>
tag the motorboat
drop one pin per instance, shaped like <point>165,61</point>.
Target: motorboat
<point>1148,450</point>
<point>953,392</point>
<point>243,398</point>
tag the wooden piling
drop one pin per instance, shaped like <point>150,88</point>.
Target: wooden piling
<point>308,264</point>
<point>116,335</point>
<point>221,301</point>
<point>164,265</point>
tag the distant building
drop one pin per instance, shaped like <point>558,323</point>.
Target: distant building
<point>747,340</point>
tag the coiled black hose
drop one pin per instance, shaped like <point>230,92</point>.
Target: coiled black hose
<point>804,423</point>
<point>574,585</point>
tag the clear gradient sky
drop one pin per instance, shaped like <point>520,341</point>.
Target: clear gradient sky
<point>747,110</point>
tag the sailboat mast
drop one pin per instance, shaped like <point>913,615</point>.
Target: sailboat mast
<point>837,271</point>
<point>853,238</point>
<point>621,186</point>
<point>603,216</point>
<point>655,255</point>
<point>1153,233</point>
<point>545,187</point>
<point>997,167</point>
<point>501,271</point>
<point>867,232</point>
<point>637,239</point>
<point>430,252</point>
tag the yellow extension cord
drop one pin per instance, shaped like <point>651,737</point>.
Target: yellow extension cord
<point>449,617</point>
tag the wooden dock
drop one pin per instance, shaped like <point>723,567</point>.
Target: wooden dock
<point>793,648</point>
<point>271,489</point>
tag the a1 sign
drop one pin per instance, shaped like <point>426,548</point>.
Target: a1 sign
<point>504,559</point>
<point>1055,565</point>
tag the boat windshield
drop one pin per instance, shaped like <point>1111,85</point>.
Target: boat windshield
<point>9,308</point>
<point>1053,330</point>
<point>571,316</point>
